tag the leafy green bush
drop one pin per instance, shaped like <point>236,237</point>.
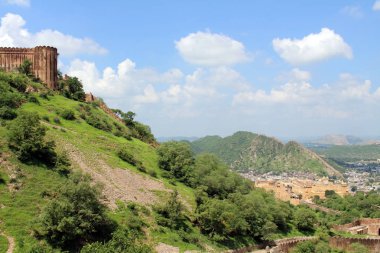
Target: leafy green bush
<point>57,120</point>
<point>33,99</point>
<point>171,214</point>
<point>123,241</point>
<point>7,113</point>
<point>67,114</point>
<point>305,219</point>
<point>62,164</point>
<point>71,88</point>
<point>125,155</point>
<point>46,118</point>
<point>98,123</point>
<point>176,158</point>
<point>26,139</point>
<point>75,216</point>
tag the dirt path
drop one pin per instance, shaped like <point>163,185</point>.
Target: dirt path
<point>119,184</point>
<point>11,243</point>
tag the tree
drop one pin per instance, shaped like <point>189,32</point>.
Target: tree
<point>72,88</point>
<point>176,158</point>
<point>305,219</point>
<point>26,139</point>
<point>123,241</point>
<point>26,67</point>
<point>76,216</point>
<point>172,213</point>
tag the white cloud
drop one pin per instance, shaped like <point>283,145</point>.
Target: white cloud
<point>312,48</point>
<point>348,97</point>
<point>23,3</point>
<point>210,49</point>
<point>376,6</point>
<point>14,34</point>
<point>353,11</point>
<point>125,81</point>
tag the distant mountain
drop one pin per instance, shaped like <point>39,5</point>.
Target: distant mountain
<point>245,151</point>
<point>228,149</point>
<point>176,138</point>
<point>337,139</point>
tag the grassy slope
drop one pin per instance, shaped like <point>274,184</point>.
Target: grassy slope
<point>22,207</point>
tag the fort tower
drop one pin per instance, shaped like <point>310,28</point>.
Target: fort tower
<point>43,59</point>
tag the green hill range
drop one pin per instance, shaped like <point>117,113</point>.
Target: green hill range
<point>245,151</point>
<point>77,176</point>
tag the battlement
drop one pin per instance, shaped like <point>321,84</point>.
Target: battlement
<point>44,61</point>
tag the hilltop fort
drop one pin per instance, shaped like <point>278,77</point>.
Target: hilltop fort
<point>43,59</point>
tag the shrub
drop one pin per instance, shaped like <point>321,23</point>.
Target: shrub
<point>57,120</point>
<point>44,95</point>
<point>152,173</point>
<point>123,241</point>
<point>33,99</point>
<point>126,156</point>
<point>68,114</point>
<point>46,118</point>
<point>76,216</point>
<point>7,113</point>
<point>305,219</point>
<point>62,165</point>
<point>26,139</point>
<point>141,168</point>
<point>171,214</point>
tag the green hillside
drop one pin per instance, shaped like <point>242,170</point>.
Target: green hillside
<point>246,151</point>
<point>228,149</point>
<point>350,153</point>
<point>76,178</point>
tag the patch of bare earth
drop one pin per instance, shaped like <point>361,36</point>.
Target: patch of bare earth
<point>165,248</point>
<point>118,184</point>
<point>11,243</point>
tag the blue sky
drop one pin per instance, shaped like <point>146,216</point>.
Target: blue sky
<point>194,68</point>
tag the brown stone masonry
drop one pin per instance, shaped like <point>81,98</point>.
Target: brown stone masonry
<point>44,62</point>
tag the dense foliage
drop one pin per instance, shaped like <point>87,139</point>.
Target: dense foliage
<point>71,88</point>
<point>366,205</point>
<point>75,216</point>
<point>123,241</point>
<point>26,139</point>
<point>228,207</point>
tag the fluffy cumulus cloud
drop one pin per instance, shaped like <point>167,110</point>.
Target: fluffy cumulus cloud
<point>312,48</point>
<point>346,92</point>
<point>14,34</point>
<point>210,49</point>
<point>376,6</point>
<point>23,3</point>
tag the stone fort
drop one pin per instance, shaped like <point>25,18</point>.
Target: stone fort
<point>43,58</point>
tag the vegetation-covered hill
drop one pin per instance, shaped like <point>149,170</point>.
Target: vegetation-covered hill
<point>147,194</point>
<point>349,153</point>
<point>228,149</point>
<point>246,151</point>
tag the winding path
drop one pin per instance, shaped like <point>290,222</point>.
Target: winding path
<point>11,243</point>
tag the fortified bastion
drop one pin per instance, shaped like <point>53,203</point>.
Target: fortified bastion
<point>43,58</point>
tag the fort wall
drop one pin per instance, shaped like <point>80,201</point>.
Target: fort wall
<point>372,226</point>
<point>44,61</point>
<point>373,244</point>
